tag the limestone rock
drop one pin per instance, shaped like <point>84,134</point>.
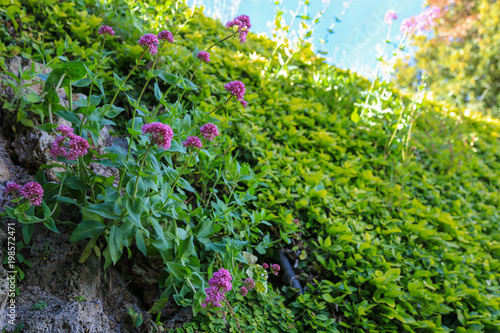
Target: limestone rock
<point>40,311</point>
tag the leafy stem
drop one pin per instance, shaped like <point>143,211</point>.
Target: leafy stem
<point>92,86</point>
<point>140,169</point>
<point>125,81</point>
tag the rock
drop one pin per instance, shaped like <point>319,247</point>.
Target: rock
<point>14,65</point>
<point>4,169</point>
<point>40,311</point>
<point>9,172</point>
<point>79,297</point>
<point>4,296</point>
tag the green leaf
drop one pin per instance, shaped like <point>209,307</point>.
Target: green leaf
<point>179,271</point>
<point>72,71</point>
<point>51,225</point>
<point>139,241</point>
<point>115,244</point>
<point>355,117</point>
<point>157,91</point>
<point>141,189</point>
<point>113,111</point>
<point>76,184</point>
<point>106,209</point>
<point>88,249</point>
<point>69,116</point>
<point>159,305</point>
<point>82,83</point>
<point>207,228</point>
<point>87,229</point>
<point>27,230</point>
<point>186,248</point>
<point>185,185</point>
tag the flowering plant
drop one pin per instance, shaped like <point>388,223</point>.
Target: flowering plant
<point>156,200</point>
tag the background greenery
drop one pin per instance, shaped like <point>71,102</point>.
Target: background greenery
<point>468,37</point>
<point>384,243</point>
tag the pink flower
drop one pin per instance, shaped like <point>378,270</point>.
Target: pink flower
<point>204,56</point>
<point>161,134</point>
<point>33,192</point>
<point>166,35</point>
<point>11,187</point>
<point>64,129</point>
<point>249,283</point>
<point>219,285</point>
<point>209,131</point>
<point>275,268</point>
<point>265,266</point>
<point>421,21</point>
<point>243,291</point>
<point>243,23</point>
<point>390,16</point>
<point>192,142</point>
<point>221,279</point>
<point>407,25</point>
<point>106,30</point>
<point>237,88</point>
<point>149,41</point>
<point>68,145</point>
<point>77,146</point>
<point>214,298</point>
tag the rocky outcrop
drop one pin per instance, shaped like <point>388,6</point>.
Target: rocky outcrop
<point>57,293</point>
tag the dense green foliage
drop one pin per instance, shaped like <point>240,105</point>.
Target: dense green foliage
<point>385,243</point>
<point>461,57</point>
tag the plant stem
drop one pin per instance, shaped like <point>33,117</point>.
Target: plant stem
<point>186,163</point>
<point>50,105</point>
<point>164,95</point>
<point>140,169</point>
<point>192,287</point>
<point>234,315</point>
<point>92,85</point>
<point>142,92</point>
<point>376,73</point>
<point>199,121</point>
<point>70,97</point>
<point>124,81</point>
<point>60,189</point>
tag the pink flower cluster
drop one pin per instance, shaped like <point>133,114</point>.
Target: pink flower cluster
<point>275,268</point>
<point>106,30</point>
<point>390,16</point>
<point>32,191</point>
<point>249,284</point>
<point>11,188</point>
<point>243,23</point>
<point>204,56</point>
<point>422,21</point>
<point>161,134</point>
<point>192,142</point>
<point>219,285</point>
<point>149,41</point>
<point>237,88</point>
<point>166,35</point>
<point>68,145</point>
<point>209,131</point>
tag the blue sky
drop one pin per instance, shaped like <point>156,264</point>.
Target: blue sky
<point>357,39</point>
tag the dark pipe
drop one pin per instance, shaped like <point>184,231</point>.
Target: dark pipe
<point>288,272</point>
